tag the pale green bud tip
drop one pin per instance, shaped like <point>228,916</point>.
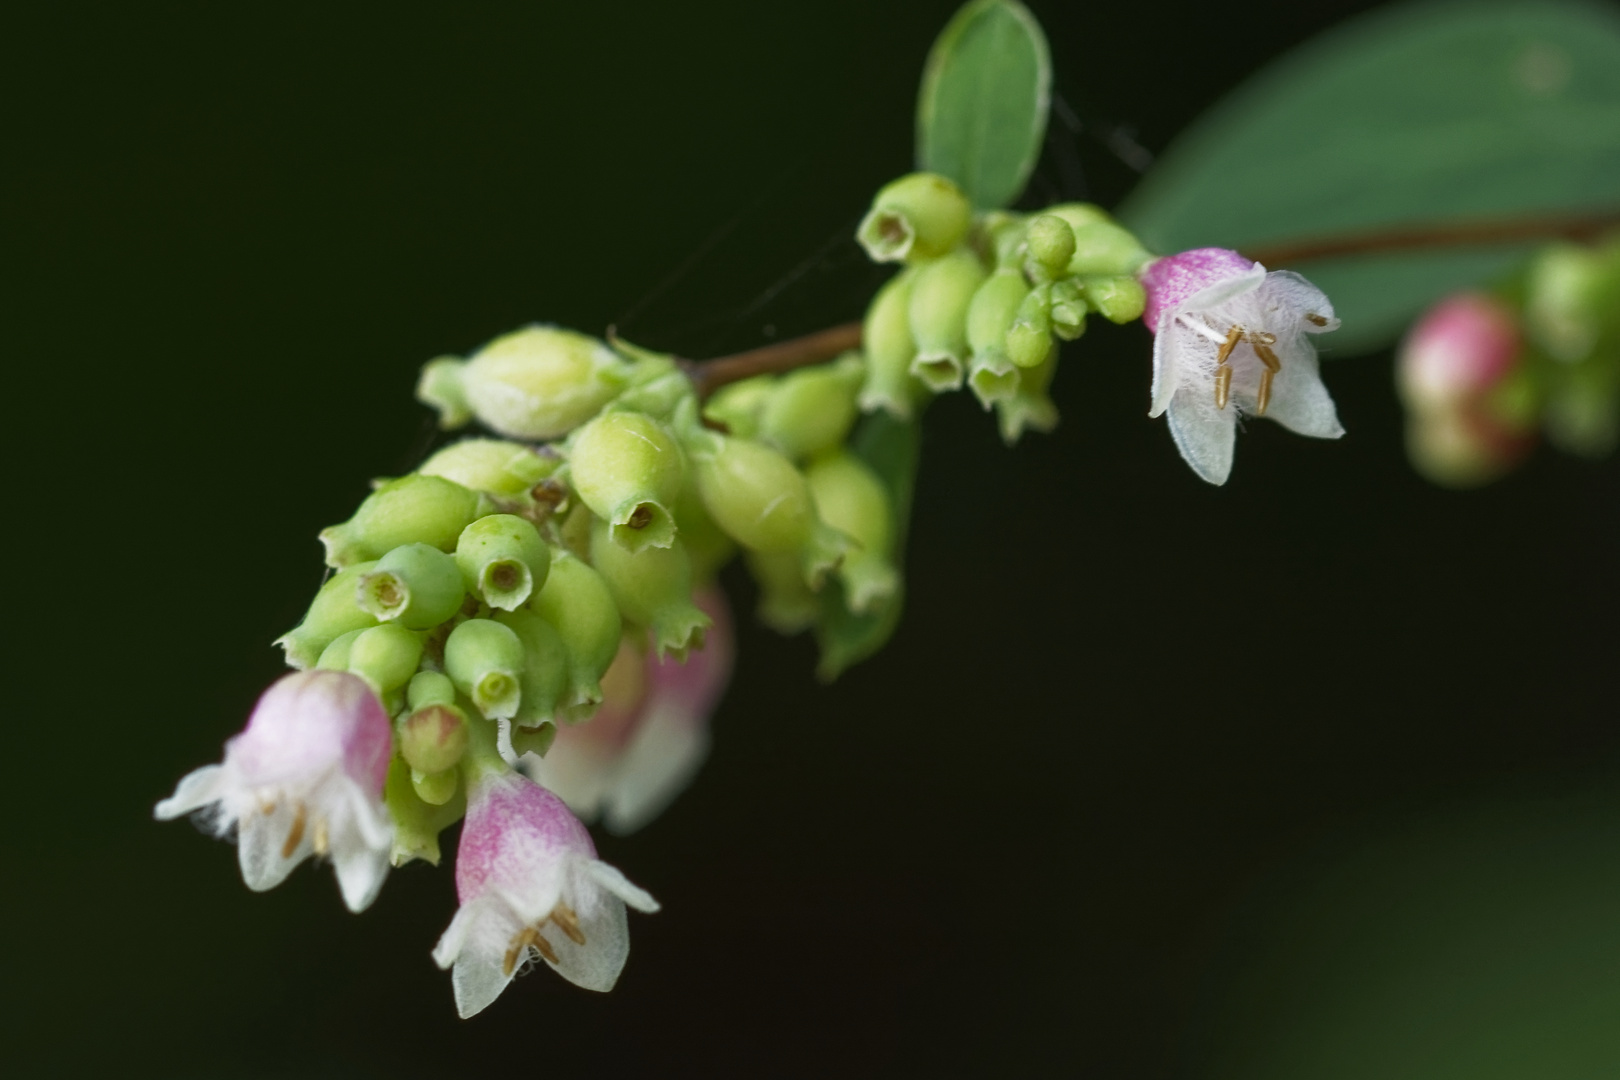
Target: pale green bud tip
<point>939,371</point>
<point>416,584</point>
<point>678,627</point>
<point>440,387</point>
<point>919,216</point>
<point>541,382</point>
<point>533,740</point>
<point>824,553</point>
<point>493,465</point>
<point>435,789</point>
<point>1120,298</point>
<point>1105,248</point>
<point>430,688</point>
<point>992,378</point>
<point>484,659</point>
<point>1068,310</point>
<point>433,739</point>
<point>503,559</point>
<point>386,656</point>
<point>1051,243</point>
<point>869,584</point>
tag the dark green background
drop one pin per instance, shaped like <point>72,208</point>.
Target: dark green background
<point>1048,832</point>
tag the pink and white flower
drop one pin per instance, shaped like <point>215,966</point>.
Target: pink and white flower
<point>529,882</point>
<point>651,734</point>
<point>1230,340</point>
<point>305,777</point>
<point>1463,346</point>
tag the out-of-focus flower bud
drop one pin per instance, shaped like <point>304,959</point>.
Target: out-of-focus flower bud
<point>502,560</point>
<point>1029,338</point>
<point>1068,310</point>
<point>414,509</point>
<point>1003,238</point>
<point>416,584</point>
<point>890,348</point>
<point>537,383</point>
<point>545,667</point>
<point>1462,447</point>
<point>653,588</point>
<point>1051,246</point>
<point>628,470</point>
<point>579,606</point>
<point>1572,294</point>
<point>1030,407</point>
<point>1105,248</point>
<point>1583,407</point>
<point>417,823</point>
<point>485,661</point>
<point>990,317</point>
<point>1078,214</point>
<point>919,216</point>
<point>753,493</point>
<point>707,545</point>
<point>812,409</point>
<point>739,405</point>
<point>850,497</point>
<point>786,604</point>
<point>334,612</point>
<point>492,465</point>
<point>1119,298</point>
<point>1464,346</point>
<point>938,317</point>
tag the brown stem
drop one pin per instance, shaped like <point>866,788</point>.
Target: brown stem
<point>1454,234</point>
<point>710,375</point>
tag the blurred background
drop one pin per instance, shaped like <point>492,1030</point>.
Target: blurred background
<point>1316,775</point>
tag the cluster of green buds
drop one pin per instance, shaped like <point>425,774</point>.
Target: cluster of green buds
<point>985,299</point>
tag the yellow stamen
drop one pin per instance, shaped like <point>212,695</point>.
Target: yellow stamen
<point>1233,336</point>
<point>564,916</point>
<point>295,835</point>
<point>1263,398</point>
<point>320,841</point>
<point>1223,385</point>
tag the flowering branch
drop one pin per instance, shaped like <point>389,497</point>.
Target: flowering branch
<point>710,375</point>
<point>1455,234</point>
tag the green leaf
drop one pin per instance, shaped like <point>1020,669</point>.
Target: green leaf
<point>981,115</point>
<point>1425,114</point>
<point>890,447</point>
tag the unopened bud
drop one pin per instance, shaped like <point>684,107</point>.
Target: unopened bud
<point>1030,407</point>
<point>738,406</point>
<point>938,315</point>
<point>990,317</point>
<point>1079,214</point>
<point>545,666</point>
<point>627,469</point>
<point>414,584</point>
<point>433,739</point>
<point>440,387</point>
<point>436,789</point>
<point>786,604</point>
<point>1068,310</point>
<point>485,661</point>
<point>1462,347</point>
<point>707,545</point>
<point>334,612</point>
<point>1051,246</point>
<point>386,656</point>
<point>890,348</point>
<point>492,465</point>
<point>812,409</point>
<point>653,588</point>
<point>1572,294</point>
<point>1105,248</point>
<point>417,823</point>
<point>1119,298</point>
<point>754,494</point>
<point>537,383</point>
<point>414,509</point>
<point>1029,338</point>
<point>335,657</point>
<point>919,216</point>
<point>502,560</point>
<point>1004,239</point>
<point>1583,407</point>
<point>1461,446</point>
<point>850,497</point>
<point>579,606</point>
<point>430,688</point>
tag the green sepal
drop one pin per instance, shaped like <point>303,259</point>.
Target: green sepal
<point>436,789</point>
<point>1030,407</point>
<point>786,604</point>
<point>417,824</point>
<point>433,738</point>
<point>440,387</point>
<point>653,588</point>
<point>333,613</point>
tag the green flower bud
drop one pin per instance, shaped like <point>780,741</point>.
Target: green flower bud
<point>754,494</point>
<point>917,217</point>
<point>811,410</point>
<point>440,388</point>
<point>890,348</point>
<point>415,584</point>
<point>537,383</point>
<point>707,545</point>
<point>1051,246</point>
<point>1003,238</point>
<point>738,406</point>
<point>1583,407</point>
<point>851,498</point>
<point>1030,337</point>
<point>1030,407</point>
<point>786,604</point>
<point>436,789</point>
<point>656,382</point>
<point>492,465</point>
<point>485,661</point>
<point>417,823</point>
<point>1572,293</point>
<point>1119,299</point>
<point>385,656</point>
<point>628,470</point>
<point>545,666</point>
<point>502,560</point>
<point>334,612</point>
<point>653,588</point>
<point>938,315</point>
<point>413,509</point>
<point>579,606</point>
<point>990,316</point>
<point>1078,214</point>
<point>430,688</point>
<point>335,657</point>
<point>433,739</point>
<point>1104,248</point>
<point>1068,310</point>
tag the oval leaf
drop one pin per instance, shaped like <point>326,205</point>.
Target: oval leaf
<point>1426,114</point>
<point>981,115</point>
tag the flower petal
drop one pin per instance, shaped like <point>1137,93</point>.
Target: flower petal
<point>1299,401</point>
<point>665,753</point>
<point>195,790</point>
<point>1203,434</point>
<point>596,964</point>
<point>360,871</point>
<point>616,883</point>
<point>261,838</point>
<point>478,980</point>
